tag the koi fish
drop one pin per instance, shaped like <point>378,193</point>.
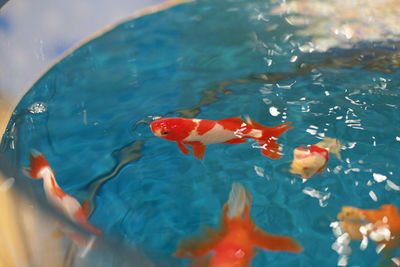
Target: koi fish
<point>233,244</point>
<point>312,159</point>
<point>381,226</point>
<point>39,168</point>
<point>199,133</point>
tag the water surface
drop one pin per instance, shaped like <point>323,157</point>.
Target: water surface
<point>89,116</point>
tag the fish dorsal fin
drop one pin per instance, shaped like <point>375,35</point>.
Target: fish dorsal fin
<point>237,200</point>
<point>231,123</point>
<point>254,123</point>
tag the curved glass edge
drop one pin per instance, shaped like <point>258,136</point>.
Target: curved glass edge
<point>34,233</point>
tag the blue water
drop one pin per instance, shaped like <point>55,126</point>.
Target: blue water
<point>213,60</point>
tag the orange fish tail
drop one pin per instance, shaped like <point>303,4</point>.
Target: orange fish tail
<point>37,163</point>
<point>268,140</point>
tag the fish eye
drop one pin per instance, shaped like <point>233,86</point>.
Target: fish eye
<point>165,132</point>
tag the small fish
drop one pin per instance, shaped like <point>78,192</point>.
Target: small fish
<point>312,159</point>
<point>40,169</point>
<point>199,133</point>
<point>381,226</point>
<point>233,244</point>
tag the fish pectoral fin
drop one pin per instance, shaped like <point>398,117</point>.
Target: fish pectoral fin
<point>201,262</point>
<point>267,241</point>
<point>197,246</point>
<point>236,141</point>
<point>198,150</point>
<point>237,119</point>
<point>85,207</point>
<point>183,148</point>
<point>270,148</point>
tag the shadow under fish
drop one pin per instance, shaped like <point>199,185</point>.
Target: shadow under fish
<point>123,156</point>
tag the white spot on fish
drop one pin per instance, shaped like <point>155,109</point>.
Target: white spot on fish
<point>239,254</point>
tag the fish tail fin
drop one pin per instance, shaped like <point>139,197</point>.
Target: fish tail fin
<point>37,163</point>
<point>269,137</point>
<point>332,145</point>
<point>336,151</point>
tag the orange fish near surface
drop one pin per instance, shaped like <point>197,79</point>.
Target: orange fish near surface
<point>40,169</point>
<point>381,226</point>
<point>312,159</point>
<point>199,133</point>
<point>233,244</point>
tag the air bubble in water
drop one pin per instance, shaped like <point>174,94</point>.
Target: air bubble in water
<point>37,108</point>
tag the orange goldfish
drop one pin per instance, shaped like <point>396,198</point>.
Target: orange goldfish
<point>40,169</point>
<point>313,159</point>
<point>382,226</point>
<point>199,133</point>
<point>233,244</point>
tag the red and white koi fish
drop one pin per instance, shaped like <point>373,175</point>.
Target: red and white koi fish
<point>40,169</point>
<point>233,244</point>
<point>312,159</point>
<point>199,133</point>
<point>381,226</point>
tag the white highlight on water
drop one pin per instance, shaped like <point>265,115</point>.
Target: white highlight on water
<point>373,196</point>
<point>341,244</point>
<point>379,177</point>
<point>321,196</point>
<point>259,171</point>
<point>274,111</point>
<point>391,185</point>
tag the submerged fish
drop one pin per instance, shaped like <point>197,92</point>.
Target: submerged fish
<point>199,133</point>
<point>312,159</point>
<point>234,242</point>
<point>381,226</point>
<point>40,169</point>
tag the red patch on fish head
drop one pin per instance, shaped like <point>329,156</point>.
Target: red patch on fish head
<point>173,129</point>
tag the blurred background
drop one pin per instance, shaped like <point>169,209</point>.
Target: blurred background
<point>35,34</point>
